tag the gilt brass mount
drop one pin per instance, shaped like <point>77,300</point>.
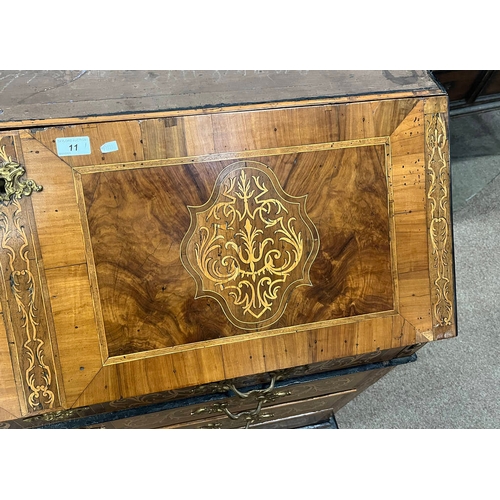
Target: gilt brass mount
<point>261,396</point>
<point>11,184</point>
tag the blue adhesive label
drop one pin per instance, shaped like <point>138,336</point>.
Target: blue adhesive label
<point>109,147</point>
<point>73,146</point>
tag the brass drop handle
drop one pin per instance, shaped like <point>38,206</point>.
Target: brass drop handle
<point>261,395</point>
<point>257,392</point>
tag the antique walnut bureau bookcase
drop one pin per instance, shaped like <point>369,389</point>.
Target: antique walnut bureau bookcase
<point>217,249</point>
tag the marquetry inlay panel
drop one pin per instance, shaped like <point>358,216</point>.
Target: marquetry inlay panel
<point>438,201</point>
<point>213,249</point>
<point>230,237</point>
<point>22,293</point>
<point>250,245</point>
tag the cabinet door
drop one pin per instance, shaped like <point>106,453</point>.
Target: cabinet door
<point>156,254</point>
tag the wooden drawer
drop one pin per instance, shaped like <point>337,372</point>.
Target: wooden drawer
<point>325,405</point>
<point>259,407</point>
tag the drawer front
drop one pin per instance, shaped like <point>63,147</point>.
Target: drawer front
<point>318,419</point>
<point>274,414</point>
<point>237,405</point>
<point>236,412</point>
<point>80,416</point>
<point>300,413</point>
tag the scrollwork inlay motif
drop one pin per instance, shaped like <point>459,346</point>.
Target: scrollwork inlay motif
<point>37,373</point>
<point>250,245</point>
<point>23,287</point>
<point>439,227</point>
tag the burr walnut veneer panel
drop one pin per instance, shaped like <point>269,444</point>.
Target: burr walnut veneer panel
<point>314,241</point>
<point>220,244</point>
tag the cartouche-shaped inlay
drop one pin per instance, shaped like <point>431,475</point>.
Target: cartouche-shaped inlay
<point>250,245</point>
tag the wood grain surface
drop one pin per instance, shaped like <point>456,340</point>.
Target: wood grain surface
<point>24,296</point>
<point>148,296</point>
<point>350,198</point>
<point>439,225</point>
<point>59,97</point>
<point>178,398</point>
<point>9,406</point>
<point>283,401</point>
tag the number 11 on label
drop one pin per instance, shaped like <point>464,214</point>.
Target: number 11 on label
<point>73,146</point>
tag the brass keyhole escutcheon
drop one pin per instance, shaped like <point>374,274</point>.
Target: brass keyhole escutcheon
<point>11,184</point>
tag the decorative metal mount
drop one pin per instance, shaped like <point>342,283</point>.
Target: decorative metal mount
<point>11,184</point>
<point>261,397</point>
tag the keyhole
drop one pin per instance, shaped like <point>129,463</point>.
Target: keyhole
<point>2,186</point>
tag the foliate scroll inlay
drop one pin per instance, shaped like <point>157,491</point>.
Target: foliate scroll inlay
<point>250,245</point>
<point>438,197</point>
<point>25,312</point>
<point>15,243</point>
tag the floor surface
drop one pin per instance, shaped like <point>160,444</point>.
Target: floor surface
<point>455,384</point>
